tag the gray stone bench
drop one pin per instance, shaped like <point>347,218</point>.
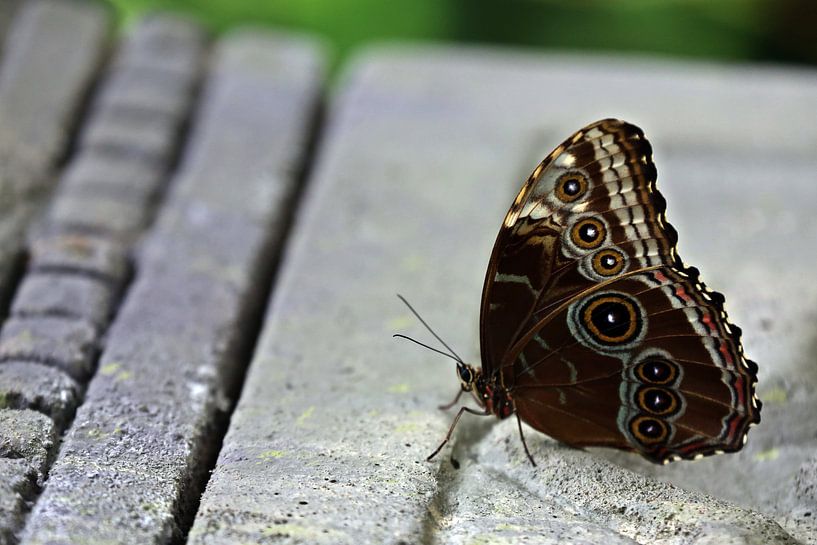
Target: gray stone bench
<point>199,303</point>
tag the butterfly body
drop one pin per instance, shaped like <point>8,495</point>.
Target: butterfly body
<point>592,329</point>
<point>489,394</point>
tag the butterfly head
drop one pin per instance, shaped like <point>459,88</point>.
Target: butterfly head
<point>468,376</point>
<point>486,390</point>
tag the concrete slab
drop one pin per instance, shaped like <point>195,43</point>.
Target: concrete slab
<point>107,216</point>
<point>145,89</point>
<point>79,262</point>
<point>39,387</point>
<point>67,295</point>
<point>86,255</point>
<point>133,464</point>
<point>7,12</point>
<point>424,150</point>
<point>28,435</point>
<point>67,343</point>
<point>17,488</point>
<point>151,136</point>
<point>50,57</point>
<point>113,176</point>
<point>164,44</point>
<point>40,98</point>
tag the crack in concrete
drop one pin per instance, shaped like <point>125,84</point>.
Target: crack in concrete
<point>210,444</point>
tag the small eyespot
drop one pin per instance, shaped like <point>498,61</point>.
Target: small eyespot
<point>648,430</point>
<point>608,262</point>
<point>588,233</point>
<point>657,401</point>
<point>656,371</point>
<point>571,186</point>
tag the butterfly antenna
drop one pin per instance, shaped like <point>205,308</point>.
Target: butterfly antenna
<point>428,327</point>
<point>446,354</point>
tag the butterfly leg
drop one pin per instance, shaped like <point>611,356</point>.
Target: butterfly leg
<point>449,405</point>
<point>522,436</point>
<point>453,425</point>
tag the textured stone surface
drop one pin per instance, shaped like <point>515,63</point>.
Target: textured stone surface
<point>92,256</point>
<point>7,11</point>
<point>111,175</point>
<point>27,435</point>
<point>164,44</point>
<point>144,91</point>
<point>39,97</point>
<point>130,140</point>
<point>67,343</point>
<point>132,465</point>
<point>27,443</point>
<point>50,56</point>
<point>423,153</point>
<point>17,488</point>
<point>111,217</point>
<point>79,253</point>
<point>149,136</point>
<point>68,295</point>
<point>29,385</point>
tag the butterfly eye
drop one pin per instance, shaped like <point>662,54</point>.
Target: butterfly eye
<point>608,262</point>
<point>570,187</point>
<point>657,401</point>
<point>648,431</point>
<point>588,233</point>
<point>655,371</point>
<point>466,376</point>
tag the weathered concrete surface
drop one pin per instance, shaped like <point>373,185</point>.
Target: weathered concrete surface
<point>17,488</point>
<point>50,57</point>
<point>27,435</point>
<point>78,255</point>
<point>40,387</point>
<point>133,464</point>
<point>7,11</point>
<point>424,150</point>
<point>28,443</point>
<point>68,343</point>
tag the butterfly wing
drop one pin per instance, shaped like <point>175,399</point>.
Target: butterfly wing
<point>593,324</point>
<point>645,362</point>
<point>600,182</point>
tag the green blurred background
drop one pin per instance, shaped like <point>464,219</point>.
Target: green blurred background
<point>766,30</point>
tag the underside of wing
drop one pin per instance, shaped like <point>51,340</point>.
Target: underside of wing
<point>589,212</point>
<point>646,362</point>
<point>593,324</point>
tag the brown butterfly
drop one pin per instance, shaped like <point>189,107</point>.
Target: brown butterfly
<point>592,330</point>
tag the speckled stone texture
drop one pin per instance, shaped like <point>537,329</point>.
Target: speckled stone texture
<point>423,151</point>
<point>39,105</point>
<point>133,463</point>
<point>76,268</point>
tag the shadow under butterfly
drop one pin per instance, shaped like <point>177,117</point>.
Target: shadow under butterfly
<point>592,330</point>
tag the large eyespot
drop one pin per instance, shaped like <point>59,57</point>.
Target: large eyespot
<point>657,401</point>
<point>611,319</point>
<point>571,186</point>
<point>588,233</point>
<point>608,262</point>
<point>648,430</point>
<point>656,371</point>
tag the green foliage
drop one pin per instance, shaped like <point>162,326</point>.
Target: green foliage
<point>725,29</point>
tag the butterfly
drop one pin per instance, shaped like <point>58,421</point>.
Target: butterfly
<point>592,329</point>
